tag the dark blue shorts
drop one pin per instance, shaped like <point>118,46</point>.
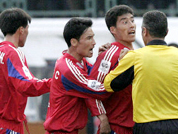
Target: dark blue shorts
<point>157,127</point>
<point>112,132</point>
<point>7,131</point>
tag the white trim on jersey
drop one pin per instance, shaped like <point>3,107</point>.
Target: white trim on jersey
<point>76,72</point>
<point>18,55</point>
<point>108,56</point>
<point>21,55</point>
<point>22,59</point>
<point>93,84</point>
<point>101,75</point>
<point>110,53</point>
<point>12,132</point>
<point>100,106</point>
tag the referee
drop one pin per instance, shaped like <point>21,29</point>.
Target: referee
<point>153,72</point>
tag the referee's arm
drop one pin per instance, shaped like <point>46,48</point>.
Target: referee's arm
<point>122,75</point>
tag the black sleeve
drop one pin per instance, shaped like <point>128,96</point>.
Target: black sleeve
<point>123,80</point>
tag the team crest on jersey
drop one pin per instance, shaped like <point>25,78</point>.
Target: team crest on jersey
<point>104,66</point>
<point>94,84</point>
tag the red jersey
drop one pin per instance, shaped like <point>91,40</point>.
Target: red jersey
<point>71,91</point>
<point>17,83</point>
<point>119,109</point>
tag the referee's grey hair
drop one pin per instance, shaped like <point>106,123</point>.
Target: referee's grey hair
<point>156,23</point>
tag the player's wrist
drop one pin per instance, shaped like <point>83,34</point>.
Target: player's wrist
<point>103,117</point>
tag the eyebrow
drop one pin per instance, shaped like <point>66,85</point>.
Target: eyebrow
<point>92,34</point>
<point>89,36</point>
<point>126,18</point>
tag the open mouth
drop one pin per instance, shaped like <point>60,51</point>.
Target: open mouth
<point>132,32</point>
<point>91,50</point>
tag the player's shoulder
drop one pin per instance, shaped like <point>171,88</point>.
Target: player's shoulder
<point>113,49</point>
<point>11,51</point>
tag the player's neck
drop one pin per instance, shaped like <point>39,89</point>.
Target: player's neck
<point>12,39</point>
<point>127,44</point>
<point>75,55</point>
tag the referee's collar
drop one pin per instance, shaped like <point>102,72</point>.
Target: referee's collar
<point>157,42</point>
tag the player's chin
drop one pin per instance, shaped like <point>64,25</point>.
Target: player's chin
<point>90,55</point>
<point>132,39</point>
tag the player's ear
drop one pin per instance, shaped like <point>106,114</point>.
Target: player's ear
<point>21,29</point>
<point>167,31</point>
<point>112,30</point>
<point>74,42</point>
<point>144,31</point>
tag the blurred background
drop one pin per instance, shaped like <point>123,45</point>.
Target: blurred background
<point>89,8</point>
<point>45,42</point>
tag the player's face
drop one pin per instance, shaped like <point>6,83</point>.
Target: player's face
<point>23,36</point>
<point>124,31</point>
<point>86,44</point>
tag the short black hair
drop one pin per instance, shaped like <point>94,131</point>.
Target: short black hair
<point>13,18</point>
<point>112,14</point>
<point>156,23</point>
<point>75,27</point>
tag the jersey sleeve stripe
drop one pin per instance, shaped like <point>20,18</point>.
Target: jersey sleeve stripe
<point>108,57</point>
<point>104,111</point>
<point>81,78</point>
<point>115,50</point>
<point>100,107</point>
<point>78,72</point>
<point>99,76</point>
<point>24,67</point>
<point>18,55</point>
<point>109,52</point>
<point>75,71</point>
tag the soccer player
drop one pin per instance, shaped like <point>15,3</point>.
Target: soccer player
<point>120,22</point>
<point>72,88</point>
<point>153,72</point>
<point>16,81</point>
